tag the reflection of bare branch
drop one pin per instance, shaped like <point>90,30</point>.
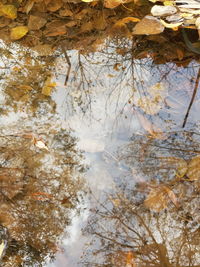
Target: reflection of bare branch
<point>192,99</point>
<point>69,64</point>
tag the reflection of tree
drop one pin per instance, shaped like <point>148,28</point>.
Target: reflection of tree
<point>39,188</point>
<point>127,233</point>
<point>37,195</point>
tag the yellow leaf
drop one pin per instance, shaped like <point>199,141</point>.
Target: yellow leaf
<point>18,32</point>
<point>169,3</point>
<point>87,1</point>
<point>170,25</point>
<point>48,86</point>
<point>9,11</point>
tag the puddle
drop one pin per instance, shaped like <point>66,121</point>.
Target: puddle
<point>99,172</point>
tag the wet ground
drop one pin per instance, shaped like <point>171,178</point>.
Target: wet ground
<point>102,168</point>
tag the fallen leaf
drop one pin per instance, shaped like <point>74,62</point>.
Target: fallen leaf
<point>40,144</point>
<point>148,25</point>
<point>179,164</point>
<point>44,50</point>
<point>149,104</point>
<point>65,13</point>
<point>18,32</point>
<point>193,172</point>
<point>170,25</point>
<point>36,22</point>
<point>2,248</point>
<point>54,5</point>
<point>123,21</point>
<point>112,3</point>
<point>48,86</point>
<point>9,11</point>
<point>159,197</point>
<point>180,53</point>
<point>29,5</point>
<point>25,87</point>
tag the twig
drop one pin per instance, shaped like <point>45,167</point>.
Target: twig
<point>192,99</point>
<point>68,62</point>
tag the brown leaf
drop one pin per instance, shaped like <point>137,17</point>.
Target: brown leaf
<point>54,5</point>
<point>35,22</point>
<point>148,25</point>
<point>159,197</point>
<point>55,28</point>
<point>65,13</point>
<point>193,172</point>
<point>29,5</point>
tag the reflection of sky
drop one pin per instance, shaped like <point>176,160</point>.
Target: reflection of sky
<point>95,106</point>
<point>108,121</point>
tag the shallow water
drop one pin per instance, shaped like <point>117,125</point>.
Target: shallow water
<point>114,184</point>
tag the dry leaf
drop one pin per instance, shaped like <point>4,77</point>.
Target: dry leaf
<point>170,25</point>
<point>149,105</point>
<point>40,144</point>
<point>18,32</point>
<point>35,22</point>
<point>180,54</point>
<point>193,172</point>
<point>55,28</point>
<point>29,5</point>
<point>65,13</point>
<point>148,25</point>
<point>9,11</point>
<point>48,86</point>
<point>44,50</point>
<point>112,3</point>
<point>54,5</point>
<point>159,197</point>
<point>25,87</point>
<point>123,21</point>
<point>179,164</point>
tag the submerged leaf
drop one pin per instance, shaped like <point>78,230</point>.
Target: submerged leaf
<point>159,197</point>
<point>193,172</point>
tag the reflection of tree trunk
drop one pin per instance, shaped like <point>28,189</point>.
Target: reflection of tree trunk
<point>192,99</point>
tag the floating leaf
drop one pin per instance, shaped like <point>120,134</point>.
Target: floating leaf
<point>170,25</point>
<point>18,32</point>
<point>9,11</point>
<point>87,1</point>
<point>148,25</point>
<point>193,172</point>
